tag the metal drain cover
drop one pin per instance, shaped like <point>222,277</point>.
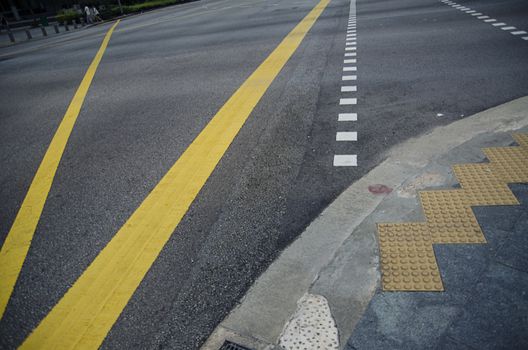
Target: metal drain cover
<point>232,346</point>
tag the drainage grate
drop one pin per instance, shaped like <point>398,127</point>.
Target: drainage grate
<point>232,346</point>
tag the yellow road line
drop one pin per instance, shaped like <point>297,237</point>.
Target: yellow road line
<point>86,313</point>
<point>19,238</point>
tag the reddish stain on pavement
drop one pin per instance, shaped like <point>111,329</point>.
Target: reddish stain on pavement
<point>379,189</point>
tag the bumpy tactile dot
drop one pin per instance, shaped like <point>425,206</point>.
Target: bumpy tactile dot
<point>407,257</point>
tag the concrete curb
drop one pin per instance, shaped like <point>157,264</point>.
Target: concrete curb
<point>259,319</point>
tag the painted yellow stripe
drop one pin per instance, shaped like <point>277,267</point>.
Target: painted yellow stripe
<point>19,238</point>
<point>85,314</point>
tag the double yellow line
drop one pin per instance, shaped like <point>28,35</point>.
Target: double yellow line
<point>86,313</point>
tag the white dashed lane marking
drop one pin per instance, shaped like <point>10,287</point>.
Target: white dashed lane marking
<point>346,136</point>
<point>352,88</point>
<point>347,117</point>
<point>345,160</point>
<point>486,19</point>
<point>347,101</point>
<point>348,160</point>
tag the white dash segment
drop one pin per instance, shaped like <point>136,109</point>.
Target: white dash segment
<point>346,136</point>
<point>476,14</point>
<point>345,160</point>
<point>349,88</point>
<point>349,77</point>
<point>347,101</point>
<point>470,11</point>
<point>525,38</point>
<point>490,20</point>
<point>499,24</point>
<point>508,28</point>
<point>350,48</point>
<point>349,69</point>
<point>347,117</point>
<point>350,60</point>
<point>350,54</point>
<point>518,32</point>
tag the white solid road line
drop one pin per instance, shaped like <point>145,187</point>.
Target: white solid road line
<point>347,101</point>
<point>345,160</point>
<point>346,136</point>
<point>347,117</point>
<point>351,88</point>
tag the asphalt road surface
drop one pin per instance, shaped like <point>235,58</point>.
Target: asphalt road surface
<point>164,76</point>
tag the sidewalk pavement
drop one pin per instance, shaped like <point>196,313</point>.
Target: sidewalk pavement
<point>454,261</point>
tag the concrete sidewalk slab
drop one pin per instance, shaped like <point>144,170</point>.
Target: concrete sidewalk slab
<point>485,305</point>
<point>337,255</point>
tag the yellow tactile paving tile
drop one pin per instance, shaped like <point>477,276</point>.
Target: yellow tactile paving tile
<point>407,254</point>
<point>407,257</point>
